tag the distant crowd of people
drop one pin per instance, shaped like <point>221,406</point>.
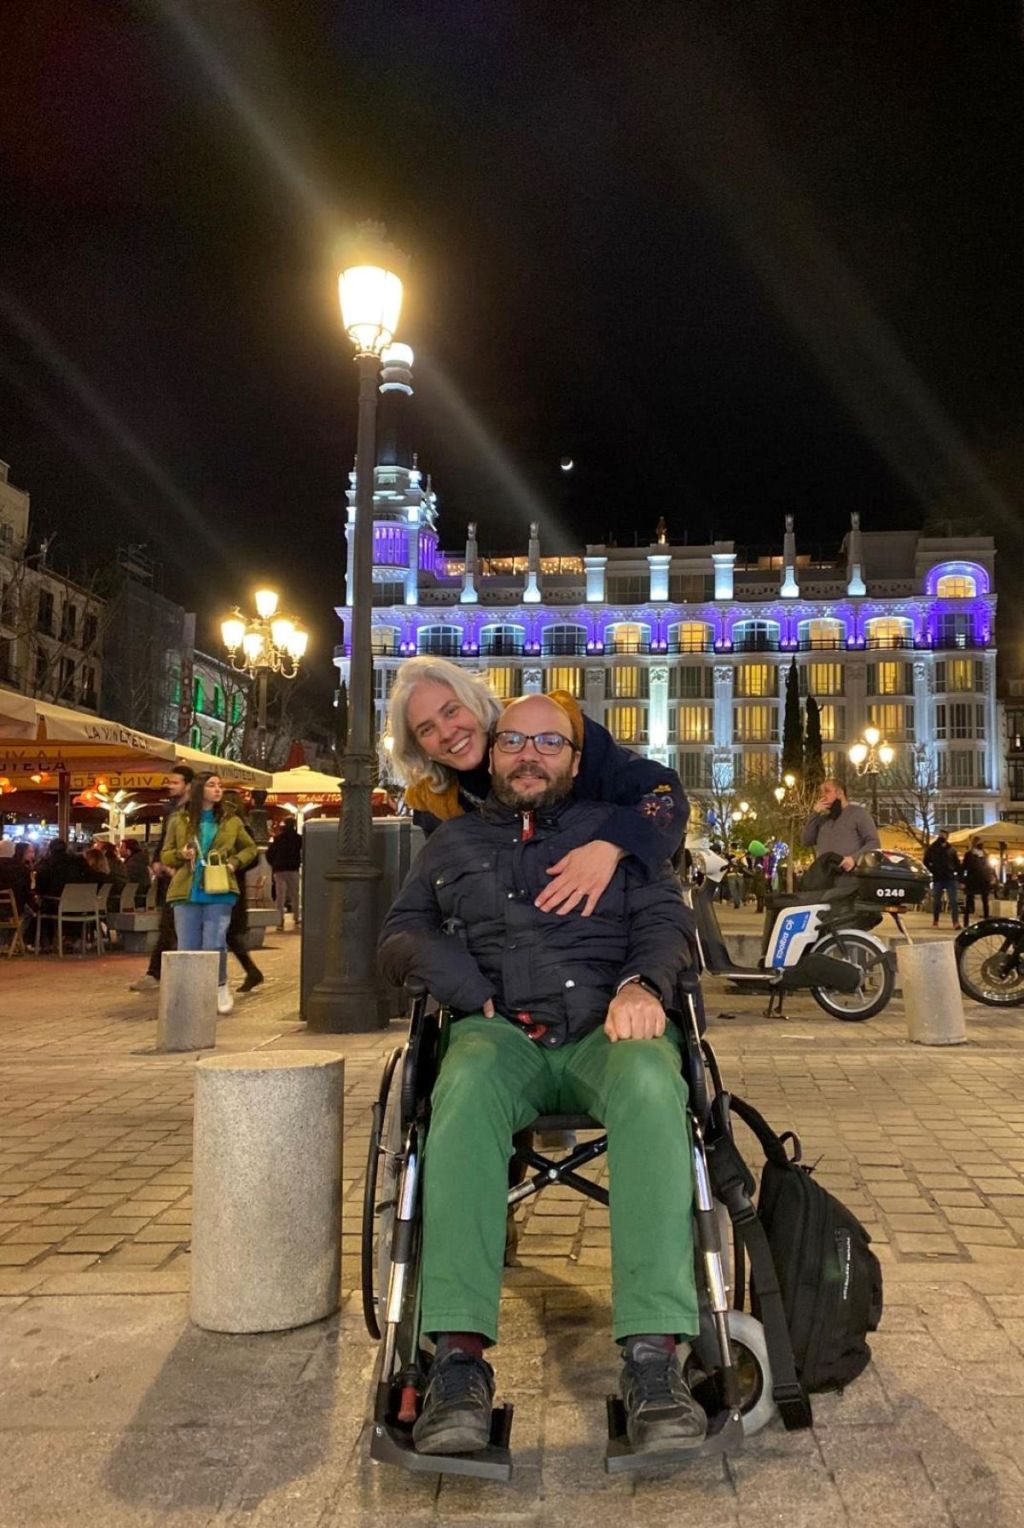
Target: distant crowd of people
<point>38,879</point>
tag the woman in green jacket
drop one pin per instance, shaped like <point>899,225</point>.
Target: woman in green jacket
<point>203,828</point>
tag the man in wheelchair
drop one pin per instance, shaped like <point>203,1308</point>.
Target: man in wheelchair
<point>559,1013</point>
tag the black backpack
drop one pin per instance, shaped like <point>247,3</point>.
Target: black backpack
<point>829,1279</point>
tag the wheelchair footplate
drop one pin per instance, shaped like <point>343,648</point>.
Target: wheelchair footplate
<point>391,1443</point>
<point>724,1436</point>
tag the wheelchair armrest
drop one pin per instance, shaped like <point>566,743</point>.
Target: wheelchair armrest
<point>415,987</point>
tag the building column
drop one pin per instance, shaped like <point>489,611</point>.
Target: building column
<point>595,568</point>
<point>593,693</point>
<point>722,725</point>
<point>657,714</point>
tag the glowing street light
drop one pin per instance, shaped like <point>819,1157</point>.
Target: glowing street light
<point>266,644</point>
<point>349,996</point>
<point>869,757</point>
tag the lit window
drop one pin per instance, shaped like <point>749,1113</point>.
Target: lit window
<point>627,637</point>
<point>502,641</point>
<point>690,681</point>
<point>889,631</point>
<point>440,641</point>
<point>956,586</point>
<point>755,637</point>
<point>889,678</point>
<point>505,682</point>
<point>756,680</point>
<point>629,683</point>
<point>694,724</point>
<point>627,724</point>
<point>690,637</point>
<point>755,724</point>
<point>755,768</point>
<point>833,723</point>
<point>825,679</point>
<point>823,633</point>
<point>564,641</point>
<point>894,722</point>
<point>384,641</point>
<point>568,679</point>
<point>959,675</point>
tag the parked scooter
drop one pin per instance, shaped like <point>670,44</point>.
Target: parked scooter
<point>818,941</point>
<point>990,961</point>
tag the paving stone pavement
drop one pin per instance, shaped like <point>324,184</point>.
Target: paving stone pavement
<point>113,1409</point>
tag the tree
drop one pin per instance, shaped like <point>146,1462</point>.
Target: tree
<point>814,764</point>
<point>915,796</point>
<point>792,726</point>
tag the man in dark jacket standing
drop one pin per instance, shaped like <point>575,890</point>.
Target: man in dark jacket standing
<point>177,784</point>
<point>284,856</point>
<point>552,1011</point>
<point>943,862</point>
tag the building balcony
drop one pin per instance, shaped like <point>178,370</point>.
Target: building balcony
<point>695,645</point>
<point>955,642</point>
<point>770,739</point>
<point>569,647</point>
<point>626,649</point>
<point>501,647</point>
<point>757,645</point>
<point>822,644</point>
<point>890,644</point>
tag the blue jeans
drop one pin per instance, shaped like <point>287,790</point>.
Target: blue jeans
<point>204,926</point>
<point>950,888</point>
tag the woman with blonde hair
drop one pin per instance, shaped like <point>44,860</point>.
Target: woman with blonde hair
<point>440,722</point>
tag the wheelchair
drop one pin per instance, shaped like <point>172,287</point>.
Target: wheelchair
<point>728,1367</point>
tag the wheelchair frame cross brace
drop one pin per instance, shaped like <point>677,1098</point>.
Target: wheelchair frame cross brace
<point>402,1367</point>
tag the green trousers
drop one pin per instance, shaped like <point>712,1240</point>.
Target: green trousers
<point>493,1081</point>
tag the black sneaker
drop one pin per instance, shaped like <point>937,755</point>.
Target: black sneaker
<point>661,1414</point>
<point>456,1416</point>
<point>253,979</point>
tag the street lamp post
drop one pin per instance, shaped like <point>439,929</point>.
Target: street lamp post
<point>349,996</point>
<point>267,643</point>
<point>784,791</point>
<point>869,757</point>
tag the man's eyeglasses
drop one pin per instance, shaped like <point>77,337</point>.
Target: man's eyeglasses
<point>547,744</point>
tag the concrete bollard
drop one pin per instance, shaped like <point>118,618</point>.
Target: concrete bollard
<point>187,1016</point>
<point>266,1217</point>
<point>931,993</point>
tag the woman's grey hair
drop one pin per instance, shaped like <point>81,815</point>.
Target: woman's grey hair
<point>405,761</point>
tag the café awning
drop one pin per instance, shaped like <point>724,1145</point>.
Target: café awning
<point>304,784</point>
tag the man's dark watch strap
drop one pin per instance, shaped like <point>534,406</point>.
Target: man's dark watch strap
<point>640,981</point>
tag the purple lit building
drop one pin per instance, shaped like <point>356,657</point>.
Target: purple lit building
<point>682,650</point>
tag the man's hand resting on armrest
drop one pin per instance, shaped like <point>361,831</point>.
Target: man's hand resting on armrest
<point>634,1014</point>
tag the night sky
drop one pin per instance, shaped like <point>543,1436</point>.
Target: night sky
<point>734,258</point>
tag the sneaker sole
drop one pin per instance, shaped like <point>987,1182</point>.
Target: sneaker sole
<point>667,1445</point>
<point>451,1440</point>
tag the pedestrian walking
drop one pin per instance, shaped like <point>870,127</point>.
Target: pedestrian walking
<point>284,856</point>
<point>207,842</point>
<point>177,787</point>
<point>979,879</point>
<point>943,863</point>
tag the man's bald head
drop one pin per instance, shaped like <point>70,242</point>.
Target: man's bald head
<point>528,778</point>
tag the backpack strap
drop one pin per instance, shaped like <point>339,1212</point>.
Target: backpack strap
<point>734,1185</point>
<point>774,1146</point>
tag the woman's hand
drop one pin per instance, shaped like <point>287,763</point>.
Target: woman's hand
<point>582,875</point>
<point>189,852</point>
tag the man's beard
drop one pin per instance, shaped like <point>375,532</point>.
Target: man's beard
<point>557,790</point>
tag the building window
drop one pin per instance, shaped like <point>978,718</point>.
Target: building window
<point>821,634</point>
<point>889,631</point>
<point>1017,782</point>
<point>954,631</point>
<point>384,641</point>
<point>833,723</point>
<point>175,688</point>
<point>756,768</point>
<point>67,678</point>
<point>890,678</point>
<point>691,588</point>
<point>756,681</point>
<point>90,629</point>
<point>820,679</point>
<point>956,586</point>
<point>388,593</point>
<point>218,702</point>
<point>755,724</point>
<point>961,769</point>
<point>628,589</point>
<point>755,637</point>
<point>42,668</point>
<point>195,738</point>
<point>68,622</point>
<point>44,616</point>
<point>440,641</point>
<point>958,675</point>
<point>564,641</point>
<point>502,641</point>
<point>895,722</point>
<point>693,724</point>
<point>89,686</point>
<point>690,637</point>
<point>505,681</point>
<point>383,679</point>
<point>213,746</point>
<point>695,769</point>
<point>691,681</point>
<point>198,695</point>
<point>627,724</point>
<point>958,720</point>
<point>626,683</point>
<point>569,679</point>
<point>236,707</point>
<point>627,637</point>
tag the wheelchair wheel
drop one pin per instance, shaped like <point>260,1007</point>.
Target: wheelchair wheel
<point>380,1189</point>
<point>750,1355</point>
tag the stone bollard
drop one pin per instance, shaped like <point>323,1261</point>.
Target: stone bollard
<point>266,1217</point>
<point>931,993</point>
<point>187,1016</point>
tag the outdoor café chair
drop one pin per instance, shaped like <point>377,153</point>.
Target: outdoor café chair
<point>78,907</point>
<point>10,924</point>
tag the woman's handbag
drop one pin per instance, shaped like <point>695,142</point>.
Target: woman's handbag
<point>216,876</point>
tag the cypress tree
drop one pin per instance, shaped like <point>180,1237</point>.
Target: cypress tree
<point>792,726</point>
<point>814,764</point>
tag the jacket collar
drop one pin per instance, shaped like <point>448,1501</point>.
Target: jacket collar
<point>549,816</point>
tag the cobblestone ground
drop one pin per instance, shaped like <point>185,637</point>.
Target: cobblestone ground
<point>114,1410</point>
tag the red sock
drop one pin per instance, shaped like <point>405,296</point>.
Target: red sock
<point>468,1342</point>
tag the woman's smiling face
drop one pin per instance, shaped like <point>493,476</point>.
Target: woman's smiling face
<point>445,729</point>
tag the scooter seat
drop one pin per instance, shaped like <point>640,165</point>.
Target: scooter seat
<point>776,900</point>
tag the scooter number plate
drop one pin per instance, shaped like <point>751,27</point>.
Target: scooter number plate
<point>890,893</point>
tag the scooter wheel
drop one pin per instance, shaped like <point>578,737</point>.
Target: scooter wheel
<point>877,986</point>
